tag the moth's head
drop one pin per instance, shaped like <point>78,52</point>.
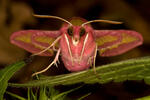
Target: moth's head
<point>76,30</point>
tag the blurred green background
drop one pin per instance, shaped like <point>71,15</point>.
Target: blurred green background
<point>16,15</point>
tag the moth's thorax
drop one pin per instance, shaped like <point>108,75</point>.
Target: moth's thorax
<point>77,50</point>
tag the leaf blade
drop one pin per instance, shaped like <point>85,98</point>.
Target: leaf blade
<point>6,74</point>
<point>133,69</point>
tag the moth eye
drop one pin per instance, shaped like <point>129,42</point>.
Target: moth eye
<point>70,31</point>
<point>82,31</point>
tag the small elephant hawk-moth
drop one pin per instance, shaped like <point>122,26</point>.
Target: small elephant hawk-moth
<point>77,42</point>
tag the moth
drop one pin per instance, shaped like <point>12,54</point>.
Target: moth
<point>77,42</point>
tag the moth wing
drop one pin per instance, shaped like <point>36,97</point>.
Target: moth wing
<point>115,42</point>
<point>45,38</point>
<point>24,39</point>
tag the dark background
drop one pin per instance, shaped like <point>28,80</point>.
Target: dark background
<point>16,15</point>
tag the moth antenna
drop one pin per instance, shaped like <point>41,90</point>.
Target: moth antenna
<point>105,21</point>
<point>55,17</point>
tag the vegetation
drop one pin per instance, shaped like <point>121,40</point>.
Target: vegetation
<point>133,69</point>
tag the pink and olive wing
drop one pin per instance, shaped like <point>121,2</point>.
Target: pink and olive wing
<point>45,39</point>
<point>115,42</point>
<point>24,39</point>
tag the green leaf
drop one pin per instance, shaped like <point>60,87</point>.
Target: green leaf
<point>29,94</point>
<point>6,74</point>
<point>144,98</point>
<point>42,95</point>
<point>62,95</point>
<point>84,96</point>
<point>133,69</point>
<point>16,96</point>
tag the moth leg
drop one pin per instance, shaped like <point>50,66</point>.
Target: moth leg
<point>94,59</point>
<point>54,48</point>
<point>94,68</point>
<point>86,38</point>
<point>48,47</point>
<point>90,60</point>
<point>69,49</point>
<point>53,62</point>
